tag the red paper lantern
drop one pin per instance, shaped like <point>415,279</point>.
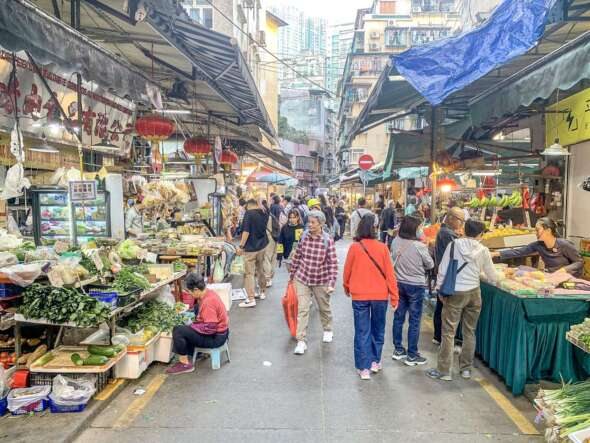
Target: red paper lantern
<point>154,128</point>
<point>228,158</point>
<point>199,147</point>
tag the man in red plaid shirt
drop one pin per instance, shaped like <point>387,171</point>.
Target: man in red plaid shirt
<point>314,269</point>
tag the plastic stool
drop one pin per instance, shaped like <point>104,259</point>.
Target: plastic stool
<point>214,353</point>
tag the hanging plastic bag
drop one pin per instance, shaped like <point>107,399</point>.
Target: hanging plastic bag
<point>238,266</point>
<point>70,392</point>
<point>291,308</point>
<point>165,296</point>
<point>15,182</point>
<point>4,385</point>
<point>218,274</point>
<point>12,226</point>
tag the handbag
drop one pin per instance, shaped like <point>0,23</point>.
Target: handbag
<point>448,286</point>
<point>374,261</point>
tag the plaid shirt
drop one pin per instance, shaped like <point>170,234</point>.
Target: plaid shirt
<point>315,264</point>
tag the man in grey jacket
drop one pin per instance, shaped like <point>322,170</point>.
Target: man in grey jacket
<point>473,259</point>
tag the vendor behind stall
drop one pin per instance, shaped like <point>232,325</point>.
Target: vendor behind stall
<point>133,219</point>
<point>557,253</point>
<point>210,329</point>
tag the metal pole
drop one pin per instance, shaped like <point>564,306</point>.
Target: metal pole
<point>433,149</point>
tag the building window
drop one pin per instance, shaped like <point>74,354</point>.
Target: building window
<point>396,37</point>
<point>201,12</point>
<point>386,7</point>
<point>421,36</point>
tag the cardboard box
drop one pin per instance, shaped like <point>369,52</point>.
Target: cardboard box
<point>510,241</point>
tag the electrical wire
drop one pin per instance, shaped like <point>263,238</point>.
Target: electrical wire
<point>252,40</point>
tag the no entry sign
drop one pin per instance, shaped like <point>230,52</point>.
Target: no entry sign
<point>366,162</point>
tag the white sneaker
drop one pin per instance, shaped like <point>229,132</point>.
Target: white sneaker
<point>269,284</point>
<point>457,349</point>
<point>261,296</point>
<point>300,348</point>
<point>328,336</point>
<point>248,304</point>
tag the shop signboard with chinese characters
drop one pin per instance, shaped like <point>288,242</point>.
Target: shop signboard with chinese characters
<point>569,120</point>
<point>104,116</point>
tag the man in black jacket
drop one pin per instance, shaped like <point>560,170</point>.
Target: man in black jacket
<point>387,224</point>
<point>450,230</point>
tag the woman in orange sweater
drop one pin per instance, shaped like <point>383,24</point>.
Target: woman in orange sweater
<point>370,280</point>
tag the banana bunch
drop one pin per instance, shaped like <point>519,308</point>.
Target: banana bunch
<point>514,200</point>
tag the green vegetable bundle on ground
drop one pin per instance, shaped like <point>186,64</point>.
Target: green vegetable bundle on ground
<point>127,280</point>
<point>570,408</point>
<point>61,305</point>
<point>156,316</point>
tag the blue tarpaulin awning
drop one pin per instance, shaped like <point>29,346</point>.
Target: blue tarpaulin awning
<point>440,68</point>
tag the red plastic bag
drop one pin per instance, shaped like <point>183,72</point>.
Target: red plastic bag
<point>291,308</point>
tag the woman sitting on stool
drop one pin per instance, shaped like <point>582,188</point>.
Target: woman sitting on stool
<point>210,329</point>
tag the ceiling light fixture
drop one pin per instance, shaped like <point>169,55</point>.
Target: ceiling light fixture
<point>555,150</point>
<point>105,145</point>
<point>44,147</point>
<point>174,111</point>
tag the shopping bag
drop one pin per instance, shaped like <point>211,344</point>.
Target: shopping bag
<point>218,273</point>
<point>448,286</point>
<point>238,266</point>
<point>291,308</point>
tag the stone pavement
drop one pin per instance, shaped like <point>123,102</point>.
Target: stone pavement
<point>312,398</point>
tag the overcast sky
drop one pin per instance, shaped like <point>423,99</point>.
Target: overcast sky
<point>336,11</point>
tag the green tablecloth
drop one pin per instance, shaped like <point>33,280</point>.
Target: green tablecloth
<point>523,340</point>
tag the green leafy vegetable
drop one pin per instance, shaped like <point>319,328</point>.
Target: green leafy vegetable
<point>127,281</point>
<point>61,305</point>
<point>155,315</point>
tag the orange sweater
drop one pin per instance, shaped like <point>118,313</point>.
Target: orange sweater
<point>362,279</point>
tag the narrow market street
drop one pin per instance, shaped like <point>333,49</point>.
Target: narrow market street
<point>268,394</point>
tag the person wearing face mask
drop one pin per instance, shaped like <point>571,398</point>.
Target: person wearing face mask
<point>411,260</point>
<point>558,254</point>
<point>290,236</point>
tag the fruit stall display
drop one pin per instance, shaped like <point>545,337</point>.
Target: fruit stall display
<point>514,200</point>
<point>579,335</point>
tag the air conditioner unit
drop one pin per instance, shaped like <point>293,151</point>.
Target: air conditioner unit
<point>374,47</point>
<point>262,38</point>
<point>391,23</point>
<point>375,35</point>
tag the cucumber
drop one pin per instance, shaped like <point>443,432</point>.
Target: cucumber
<point>107,351</point>
<point>95,360</point>
<point>77,360</point>
<point>42,361</point>
<point>119,348</point>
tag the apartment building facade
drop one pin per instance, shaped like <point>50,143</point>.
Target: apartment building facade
<point>386,28</point>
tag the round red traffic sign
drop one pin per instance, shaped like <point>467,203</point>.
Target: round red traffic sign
<point>366,162</point>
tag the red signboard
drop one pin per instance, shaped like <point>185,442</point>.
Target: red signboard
<point>366,162</point>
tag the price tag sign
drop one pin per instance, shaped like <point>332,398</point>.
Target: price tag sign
<point>82,190</point>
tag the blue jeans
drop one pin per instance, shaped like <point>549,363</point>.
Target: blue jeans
<point>411,299</point>
<point>369,332</point>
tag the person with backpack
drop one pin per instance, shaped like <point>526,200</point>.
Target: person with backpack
<point>387,224</point>
<point>411,260</point>
<point>252,246</point>
<point>358,214</point>
<point>458,284</point>
<point>370,281</point>
<point>314,270</point>
<point>270,253</point>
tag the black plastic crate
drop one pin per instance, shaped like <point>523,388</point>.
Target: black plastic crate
<point>45,378</point>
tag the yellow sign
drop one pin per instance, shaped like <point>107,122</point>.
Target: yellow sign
<point>570,121</point>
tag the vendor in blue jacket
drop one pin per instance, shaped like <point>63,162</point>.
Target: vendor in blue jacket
<point>558,254</point>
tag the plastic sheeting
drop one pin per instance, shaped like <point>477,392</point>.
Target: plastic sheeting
<point>438,69</point>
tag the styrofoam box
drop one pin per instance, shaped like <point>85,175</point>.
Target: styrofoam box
<point>137,360</point>
<point>163,350</point>
<point>224,290</point>
<point>580,436</point>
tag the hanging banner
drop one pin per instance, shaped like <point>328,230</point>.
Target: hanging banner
<point>569,120</point>
<point>104,116</point>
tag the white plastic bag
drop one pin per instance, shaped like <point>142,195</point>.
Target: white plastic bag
<point>57,176</point>
<point>7,259</point>
<point>70,392</point>
<point>4,386</point>
<point>12,226</point>
<point>22,397</point>
<point>15,182</point>
<point>165,296</point>
<point>8,242</point>
<point>23,275</point>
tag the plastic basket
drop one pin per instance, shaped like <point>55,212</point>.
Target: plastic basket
<point>56,408</point>
<point>38,406</point>
<point>107,297</point>
<point>3,406</point>
<point>44,378</point>
<point>10,290</point>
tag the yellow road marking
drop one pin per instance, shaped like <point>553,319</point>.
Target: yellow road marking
<point>140,403</point>
<point>109,390</point>
<point>521,422</point>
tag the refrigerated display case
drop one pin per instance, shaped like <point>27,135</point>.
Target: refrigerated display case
<point>57,218</point>
<point>52,215</point>
<point>92,218</point>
